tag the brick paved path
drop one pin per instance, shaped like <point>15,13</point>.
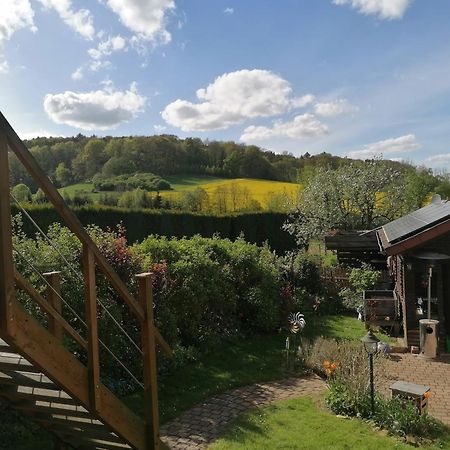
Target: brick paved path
<point>436,374</point>
<point>204,423</point>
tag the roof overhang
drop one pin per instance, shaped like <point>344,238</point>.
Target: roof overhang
<point>413,241</point>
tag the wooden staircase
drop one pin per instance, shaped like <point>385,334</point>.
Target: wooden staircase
<point>38,375</point>
<point>36,396</point>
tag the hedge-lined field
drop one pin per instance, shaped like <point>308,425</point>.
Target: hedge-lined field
<point>236,193</point>
<point>256,227</point>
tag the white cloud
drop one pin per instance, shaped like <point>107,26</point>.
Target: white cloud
<point>80,21</point>
<point>334,108</point>
<point>146,18</point>
<point>301,102</point>
<point>228,10</point>
<point>95,110</point>
<point>95,66</point>
<point>4,67</point>
<point>439,159</point>
<point>302,126</point>
<point>159,128</point>
<point>78,74</point>
<point>402,144</point>
<point>383,9</point>
<point>232,98</point>
<point>97,54</point>
<point>37,133</point>
<point>14,16</point>
<point>108,46</point>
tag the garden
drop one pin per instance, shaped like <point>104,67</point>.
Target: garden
<point>227,308</point>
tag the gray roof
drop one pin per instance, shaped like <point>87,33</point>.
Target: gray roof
<point>417,221</point>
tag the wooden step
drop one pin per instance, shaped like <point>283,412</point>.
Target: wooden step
<point>16,393</point>
<point>5,347</point>
<point>30,379</point>
<point>14,362</point>
<point>52,408</point>
<point>86,438</point>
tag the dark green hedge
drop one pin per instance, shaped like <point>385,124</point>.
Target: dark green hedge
<point>256,227</point>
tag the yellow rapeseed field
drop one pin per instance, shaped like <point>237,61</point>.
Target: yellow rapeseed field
<point>241,193</point>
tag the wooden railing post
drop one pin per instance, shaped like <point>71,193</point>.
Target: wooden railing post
<point>90,291</point>
<point>7,290</point>
<point>54,298</point>
<point>149,358</point>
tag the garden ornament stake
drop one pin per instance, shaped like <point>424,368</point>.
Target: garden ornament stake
<point>296,324</point>
<point>370,342</point>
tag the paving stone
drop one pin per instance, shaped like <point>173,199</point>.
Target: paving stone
<point>198,427</point>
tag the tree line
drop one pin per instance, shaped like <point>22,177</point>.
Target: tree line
<point>79,159</point>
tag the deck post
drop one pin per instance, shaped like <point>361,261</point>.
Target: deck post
<point>54,298</point>
<point>149,359</point>
<point>90,290</point>
<point>7,288</point>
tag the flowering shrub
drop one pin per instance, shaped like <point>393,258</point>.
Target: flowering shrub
<point>345,366</point>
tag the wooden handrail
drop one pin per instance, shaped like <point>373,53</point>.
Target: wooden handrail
<point>54,298</point>
<point>71,220</point>
<point>149,357</point>
<point>27,287</point>
<point>7,293</point>
<point>90,289</point>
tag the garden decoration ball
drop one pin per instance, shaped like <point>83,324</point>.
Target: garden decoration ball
<point>297,322</point>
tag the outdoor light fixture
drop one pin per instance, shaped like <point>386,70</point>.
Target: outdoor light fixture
<point>370,342</point>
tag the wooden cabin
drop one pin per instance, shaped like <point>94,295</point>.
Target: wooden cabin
<point>412,244</point>
<point>404,249</point>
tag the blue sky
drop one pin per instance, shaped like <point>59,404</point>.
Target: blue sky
<point>351,77</point>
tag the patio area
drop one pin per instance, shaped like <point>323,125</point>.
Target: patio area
<point>435,374</point>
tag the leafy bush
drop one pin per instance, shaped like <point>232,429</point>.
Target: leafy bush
<point>21,193</point>
<point>62,251</point>
<point>145,181</point>
<point>402,418</point>
<point>207,289</point>
<point>348,387</point>
<point>361,279</point>
<point>303,285</point>
<point>78,199</point>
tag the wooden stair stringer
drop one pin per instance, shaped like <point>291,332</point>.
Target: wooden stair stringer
<point>46,353</point>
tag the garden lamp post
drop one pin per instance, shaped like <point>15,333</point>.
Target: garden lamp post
<point>370,342</point>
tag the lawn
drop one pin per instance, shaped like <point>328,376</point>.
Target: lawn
<point>304,423</point>
<point>233,364</point>
<point>81,188</point>
<point>186,182</point>
<point>238,363</point>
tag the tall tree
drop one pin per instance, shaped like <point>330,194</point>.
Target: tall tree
<point>358,195</point>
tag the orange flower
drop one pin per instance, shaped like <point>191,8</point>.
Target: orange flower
<point>326,364</point>
<point>333,366</point>
<point>427,394</point>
